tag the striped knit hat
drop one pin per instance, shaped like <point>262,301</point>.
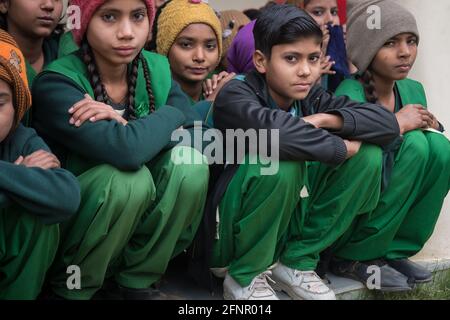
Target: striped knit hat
<point>13,71</point>
<point>88,8</point>
<point>177,15</point>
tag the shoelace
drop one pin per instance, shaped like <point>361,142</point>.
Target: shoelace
<point>314,280</point>
<point>260,283</point>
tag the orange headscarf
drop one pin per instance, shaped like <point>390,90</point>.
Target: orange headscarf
<point>13,71</point>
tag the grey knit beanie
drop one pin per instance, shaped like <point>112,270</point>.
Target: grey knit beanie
<point>363,40</point>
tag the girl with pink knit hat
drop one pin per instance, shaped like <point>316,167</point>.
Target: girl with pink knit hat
<point>109,111</point>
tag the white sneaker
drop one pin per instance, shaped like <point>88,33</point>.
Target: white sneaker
<point>259,289</point>
<point>301,285</point>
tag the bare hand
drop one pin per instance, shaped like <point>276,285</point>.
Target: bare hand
<point>326,64</point>
<point>93,111</point>
<point>412,117</point>
<point>352,148</point>
<point>325,39</point>
<point>39,159</point>
<point>212,87</point>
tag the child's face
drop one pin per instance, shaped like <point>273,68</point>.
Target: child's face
<point>292,70</point>
<point>6,110</point>
<point>323,11</point>
<point>396,58</point>
<point>34,18</point>
<point>194,54</point>
<point>118,31</point>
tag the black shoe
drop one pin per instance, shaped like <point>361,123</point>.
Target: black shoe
<point>390,279</point>
<point>414,272</point>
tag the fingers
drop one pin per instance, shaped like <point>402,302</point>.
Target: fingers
<point>85,111</point>
<point>41,159</point>
<point>108,116</point>
<point>208,87</point>
<point>19,160</point>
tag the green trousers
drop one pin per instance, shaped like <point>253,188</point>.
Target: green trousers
<point>409,208</point>
<point>338,195</point>
<point>262,218</point>
<point>27,249</point>
<point>130,224</point>
<point>254,216</point>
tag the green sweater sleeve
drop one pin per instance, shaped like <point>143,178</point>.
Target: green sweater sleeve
<point>124,147</point>
<point>53,195</point>
<point>194,123</point>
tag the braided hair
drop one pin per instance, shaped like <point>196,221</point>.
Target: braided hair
<point>366,79</point>
<point>100,93</point>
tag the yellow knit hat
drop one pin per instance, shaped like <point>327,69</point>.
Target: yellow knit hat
<point>177,15</point>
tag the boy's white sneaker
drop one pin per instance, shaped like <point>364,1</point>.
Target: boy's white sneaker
<point>301,285</point>
<point>259,289</point>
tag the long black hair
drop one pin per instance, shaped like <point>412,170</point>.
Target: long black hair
<point>100,92</point>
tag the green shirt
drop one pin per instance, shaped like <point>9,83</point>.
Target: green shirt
<point>53,195</point>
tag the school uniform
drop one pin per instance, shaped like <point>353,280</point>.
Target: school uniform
<point>32,203</point>
<point>139,209</point>
<point>263,218</point>
<point>417,182</point>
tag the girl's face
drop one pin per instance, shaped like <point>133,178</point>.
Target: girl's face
<point>118,31</point>
<point>6,110</point>
<point>323,11</point>
<point>194,54</point>
<point>396,58</point>
<point>33,18</point>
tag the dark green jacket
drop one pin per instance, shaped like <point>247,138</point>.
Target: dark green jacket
<point>53,195</point>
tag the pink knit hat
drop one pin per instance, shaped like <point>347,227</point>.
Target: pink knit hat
<point>88,8</point>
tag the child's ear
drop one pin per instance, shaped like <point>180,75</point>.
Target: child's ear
<point>260,61</point>
<point>4,5</point>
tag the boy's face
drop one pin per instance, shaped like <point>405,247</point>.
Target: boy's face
<point>396,58</point>
<point>6,110</point>
<point>291,71</point>
<point>194,54</point>
<point>323,11</point>
<point>37,18</point>
<point>118,31</point>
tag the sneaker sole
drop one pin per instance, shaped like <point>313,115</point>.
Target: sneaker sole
<point>282,288</point>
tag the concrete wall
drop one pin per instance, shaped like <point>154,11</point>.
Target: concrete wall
<point>433,70</point>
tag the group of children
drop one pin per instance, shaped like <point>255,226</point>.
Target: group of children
<point>362,176</point>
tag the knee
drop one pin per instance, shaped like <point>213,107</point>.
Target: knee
<point>439,151</point>
<point>415,146</point>
<point>135,186</point>
<point>193,168</point>
<point>370,158</point>
<point>285,175</point>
